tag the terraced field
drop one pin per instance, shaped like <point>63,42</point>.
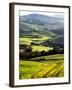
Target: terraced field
<point>51,66</point>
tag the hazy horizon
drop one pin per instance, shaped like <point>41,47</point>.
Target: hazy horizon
<point>22,13</point>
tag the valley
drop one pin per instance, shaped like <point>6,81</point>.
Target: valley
<point>41,47</point>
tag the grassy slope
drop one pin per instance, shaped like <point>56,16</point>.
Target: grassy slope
<point>29,40</point>
<point>40,48</point>
<point>52,66</point>
<point>42,69</point>
<point>36,47</point>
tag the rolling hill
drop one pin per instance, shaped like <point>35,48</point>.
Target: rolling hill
<point>37,24</point>
<point>55,42</point>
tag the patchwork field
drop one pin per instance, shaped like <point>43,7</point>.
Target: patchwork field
<point>53,66</point>
<point>29,39</point>
<point>37,43</point>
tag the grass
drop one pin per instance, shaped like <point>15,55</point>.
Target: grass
<point>42,69</point>
<point>50,57</point>
<point>27,40</point>
<point>43,66</point>
<point>40,48</point>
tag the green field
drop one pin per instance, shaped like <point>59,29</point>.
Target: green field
<point>29,39</point>
<point>42,66</point>
<point>53,66</point>
<point>40,48</point>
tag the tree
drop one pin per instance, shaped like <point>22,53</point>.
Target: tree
<point>27,51</point>
<point>43,53</point>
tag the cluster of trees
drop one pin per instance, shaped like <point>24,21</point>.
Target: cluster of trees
<point>27,52</point>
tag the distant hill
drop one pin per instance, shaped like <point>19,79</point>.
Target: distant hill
<point>55,42</point>
<point>51,22</point>
<point>41,23</point>
<point>37,24</point>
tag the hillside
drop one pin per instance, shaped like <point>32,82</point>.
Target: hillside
<point>37,25</point>
<point>41,23</point>
<point>55,42</point>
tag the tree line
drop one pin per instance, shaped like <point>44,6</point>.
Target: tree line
<point>27,52</point>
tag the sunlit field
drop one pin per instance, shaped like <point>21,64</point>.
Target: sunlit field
<point>53,66</point>
<point>29,39</point>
